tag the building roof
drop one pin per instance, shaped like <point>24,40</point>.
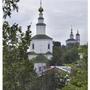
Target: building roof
<point>71,40</point>
<point>66,69</point>
<point>48,53</point>
<point>41,24</point>
<point>40,59</point>
<point>63,68</point>
<point>40,18</point>
<point>41,37</point>
<point>31,53</point>
<point>77,34</point>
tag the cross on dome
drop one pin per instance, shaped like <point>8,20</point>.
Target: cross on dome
<point>41,9</point>
<point>40,3</point>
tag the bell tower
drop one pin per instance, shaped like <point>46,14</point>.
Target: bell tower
<point>40,26</point>
<point>78,37</point>
<point>71,35</point>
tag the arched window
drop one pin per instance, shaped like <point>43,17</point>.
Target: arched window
<point>32,46</point>
<point>48,46</point>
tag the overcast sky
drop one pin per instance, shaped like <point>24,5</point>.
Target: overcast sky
<point>59,16</point>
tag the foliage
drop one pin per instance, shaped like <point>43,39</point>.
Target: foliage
<point>71,55</point>
<point>9,6</point>
<point>64,55</point>
<point>17,69</point>
<point>79,74</point>
<point>57,56</point>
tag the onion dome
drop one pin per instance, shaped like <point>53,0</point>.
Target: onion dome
<point>41,9</point>
<point>77,33</point>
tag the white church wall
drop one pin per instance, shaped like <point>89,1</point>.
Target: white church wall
<point>40,29</point>
<point>41,46</point>
<point>78,39</point>
<point>40,21</point>
<point>39,68</point>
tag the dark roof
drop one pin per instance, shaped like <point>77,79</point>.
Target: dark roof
<point>41,24</point>
<point>48,53</point>
<point>31,53</point>
<point>41,37</point>
<point>40,18</point>
<point>77,34</point>
<point>40,59</point>
<point>70,40</point>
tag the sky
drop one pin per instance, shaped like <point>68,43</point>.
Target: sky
<point>59,16</point>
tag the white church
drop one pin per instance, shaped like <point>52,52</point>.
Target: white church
<point>42,46</point>
<point>41,43</point>
<point>73,41</point>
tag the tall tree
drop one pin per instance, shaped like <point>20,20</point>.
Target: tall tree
<point>57,54</point>
<point>9,6</point>
<point>17,69</point>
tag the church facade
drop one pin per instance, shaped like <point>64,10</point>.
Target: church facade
<point>41,43</point>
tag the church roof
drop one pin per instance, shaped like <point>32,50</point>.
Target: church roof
<point>40,18</point>
<point>31,53</point>
<point>49,53</point>
<point>41,37</point>
<point>40,59</point>
<point>77,34</point>
<point>70,40</point>
<point>41,23</point>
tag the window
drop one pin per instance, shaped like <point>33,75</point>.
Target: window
<point>40,69</point>
<point>32,46</point>
<point>48,46</point>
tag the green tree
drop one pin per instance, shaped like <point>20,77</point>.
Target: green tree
<point>57,58</point>
<point>9,6</point>
<point>71,55</point>
<point>79,74</point>
<point>18,71</point>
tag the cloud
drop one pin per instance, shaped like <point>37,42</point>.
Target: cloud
<point>59,16</point>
